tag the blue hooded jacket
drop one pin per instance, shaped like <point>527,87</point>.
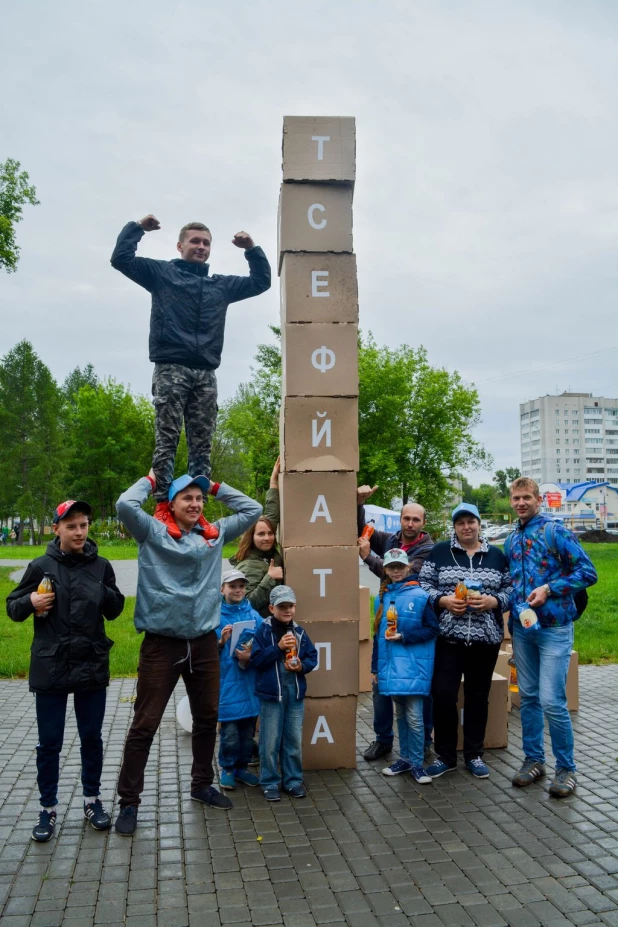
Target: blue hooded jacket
<point>405,667</point>
<point>268,659</point>
<point>237,698</point>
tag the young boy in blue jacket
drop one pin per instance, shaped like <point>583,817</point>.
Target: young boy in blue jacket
<point>281,687</point>
<point>403,660</point>
<point>239,706</point>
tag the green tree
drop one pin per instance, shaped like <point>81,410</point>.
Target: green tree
<point>76,379</point>
<point>504,478</point>
<point>33,449</point>
<point>15,192</point>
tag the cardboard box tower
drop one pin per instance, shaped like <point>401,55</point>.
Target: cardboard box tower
<point>319,421</point>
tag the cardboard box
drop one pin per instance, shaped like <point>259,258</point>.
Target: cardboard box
<point>314,217</point>
<point>329,733</point>
<point>502,668</point>
<point>319,148</point>
<point>496,733</point>
<point>364,665</point>
<point>325,582</point>
<point>337,669</point>
<point>572,686</point>
<point>364,625</point>
<point>318,510</point>
<point>319,433</point>
<point>320,360</point>
<point>319,288</point>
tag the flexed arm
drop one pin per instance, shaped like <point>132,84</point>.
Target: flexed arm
<point>258,280</point>
<point>141,270</point>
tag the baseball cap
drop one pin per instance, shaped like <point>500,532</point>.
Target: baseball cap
<point>183,481</point>
<point>231,575</point>
<point>281,594</point>
<point>65,507</point>
<point>465,508</point>
<point>396,555</point>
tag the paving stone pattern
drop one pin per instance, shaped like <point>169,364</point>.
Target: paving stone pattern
<point>361,850</point>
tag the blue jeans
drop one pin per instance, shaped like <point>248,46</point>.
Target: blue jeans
<point>281,733</point>
<point>236,744</point>
<point>410,727</point>
<point>383,717</point>
<point>542,660</point>
<point>50,716</point>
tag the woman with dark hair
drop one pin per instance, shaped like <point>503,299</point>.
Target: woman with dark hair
<point>258,556</point>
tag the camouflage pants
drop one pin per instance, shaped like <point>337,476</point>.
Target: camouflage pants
<point>182,394</point>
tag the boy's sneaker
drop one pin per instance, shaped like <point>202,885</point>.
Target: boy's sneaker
<point>246,777</point>
<point>227,780</point>
<point>97,815</point>
<point>397,768</point>
<point>126,822</point>
<point>272,795</point>
<point>439,768</point>
<point>420,775</point>
<point>529,772</point>
<point>377,750</point>
<point>212,797</point>
<point>44,830</point>
<point>297,791</point>
<point>563,783</point>
<point>478,768</point>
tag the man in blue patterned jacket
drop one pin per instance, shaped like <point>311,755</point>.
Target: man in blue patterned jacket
<point>548,567</point>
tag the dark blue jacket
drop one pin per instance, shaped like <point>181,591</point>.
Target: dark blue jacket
<point>187,319</point>
<point>237,697</point>
<point>268,659</point>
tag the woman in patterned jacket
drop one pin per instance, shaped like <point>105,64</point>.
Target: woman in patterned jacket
<point>471,630</point>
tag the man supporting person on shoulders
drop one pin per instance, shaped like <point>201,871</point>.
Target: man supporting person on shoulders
<point>416,542</point>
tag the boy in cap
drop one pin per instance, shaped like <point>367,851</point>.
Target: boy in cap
<point>238,704</point>
<point>178,605</point>
<point>70,654</point>
<point>282,654</point>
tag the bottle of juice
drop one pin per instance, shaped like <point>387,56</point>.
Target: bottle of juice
<point>44,588</point>
<point>513,684</point>
<point>461,591</point>
<point>291,655</point>
<point>368,530</point>
<point>391,621</point>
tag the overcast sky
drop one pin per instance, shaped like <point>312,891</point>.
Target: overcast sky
<point>486,203</point>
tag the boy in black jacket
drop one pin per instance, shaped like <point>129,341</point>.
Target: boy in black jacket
<point>70,653</point>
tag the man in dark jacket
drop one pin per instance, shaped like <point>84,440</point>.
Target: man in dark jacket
<point>187,323</point>
<point>417,544</point>
<point>70,653</point>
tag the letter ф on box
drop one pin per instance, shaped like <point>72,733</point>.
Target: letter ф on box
<point>324,579</point>
<point>337,669</point>
<point>318,509</point>
<point>314,217</point>
<point>320,360</point>
<point>329,732</point>
<point>319,288</point>
<point>319,433</point>
<point>319,148</point>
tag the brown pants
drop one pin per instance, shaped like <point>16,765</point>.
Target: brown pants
<point>162,661</point>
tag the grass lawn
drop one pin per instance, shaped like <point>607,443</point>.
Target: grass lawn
<point>124,551</point>
<point>596,632</point>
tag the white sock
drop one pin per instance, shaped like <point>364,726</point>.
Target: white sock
<point>49,810</point>
<point>90,799</point>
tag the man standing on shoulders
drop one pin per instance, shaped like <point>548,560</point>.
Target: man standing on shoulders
<point>416,542</point>
<point>178,605</point>
<point>548,568</point>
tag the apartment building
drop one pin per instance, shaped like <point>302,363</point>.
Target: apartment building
<point>570,438</point>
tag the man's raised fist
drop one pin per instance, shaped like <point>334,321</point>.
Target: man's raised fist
<point>243,240</point>
<point>150,223</point>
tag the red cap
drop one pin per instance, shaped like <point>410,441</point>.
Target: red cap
<point>65,507</point>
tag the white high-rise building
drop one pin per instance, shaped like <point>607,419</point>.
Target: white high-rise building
<point>571,438</point>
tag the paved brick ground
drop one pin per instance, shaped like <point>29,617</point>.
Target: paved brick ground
<point>361,850</point>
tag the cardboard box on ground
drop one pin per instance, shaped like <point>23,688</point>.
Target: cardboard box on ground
<point>319,148</point>
<point>364,627</point>
<point>337,646</point>
<point>320,360</point>
<point>364,665</point>
<point>496,732</point>
<point>329,733</point>
<point>324,580</point>
<point>319,287</point>
<point>318,510</point>
<point>318,433</point>
<point>314,217</point>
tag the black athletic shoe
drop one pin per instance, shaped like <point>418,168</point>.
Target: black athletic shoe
<point>97,815</point>
<point>212,797</point>
<point>44,830</point>
<point>376,750</point>
<point>126,822</point>
<point>297,791</point>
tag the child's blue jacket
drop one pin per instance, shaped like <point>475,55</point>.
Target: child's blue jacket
<point>405,667</point>
<point>237,698</point>
<point>268,659</point>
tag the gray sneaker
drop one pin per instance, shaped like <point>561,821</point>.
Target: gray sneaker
<point>563,783</point>
<point>530,771</point>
